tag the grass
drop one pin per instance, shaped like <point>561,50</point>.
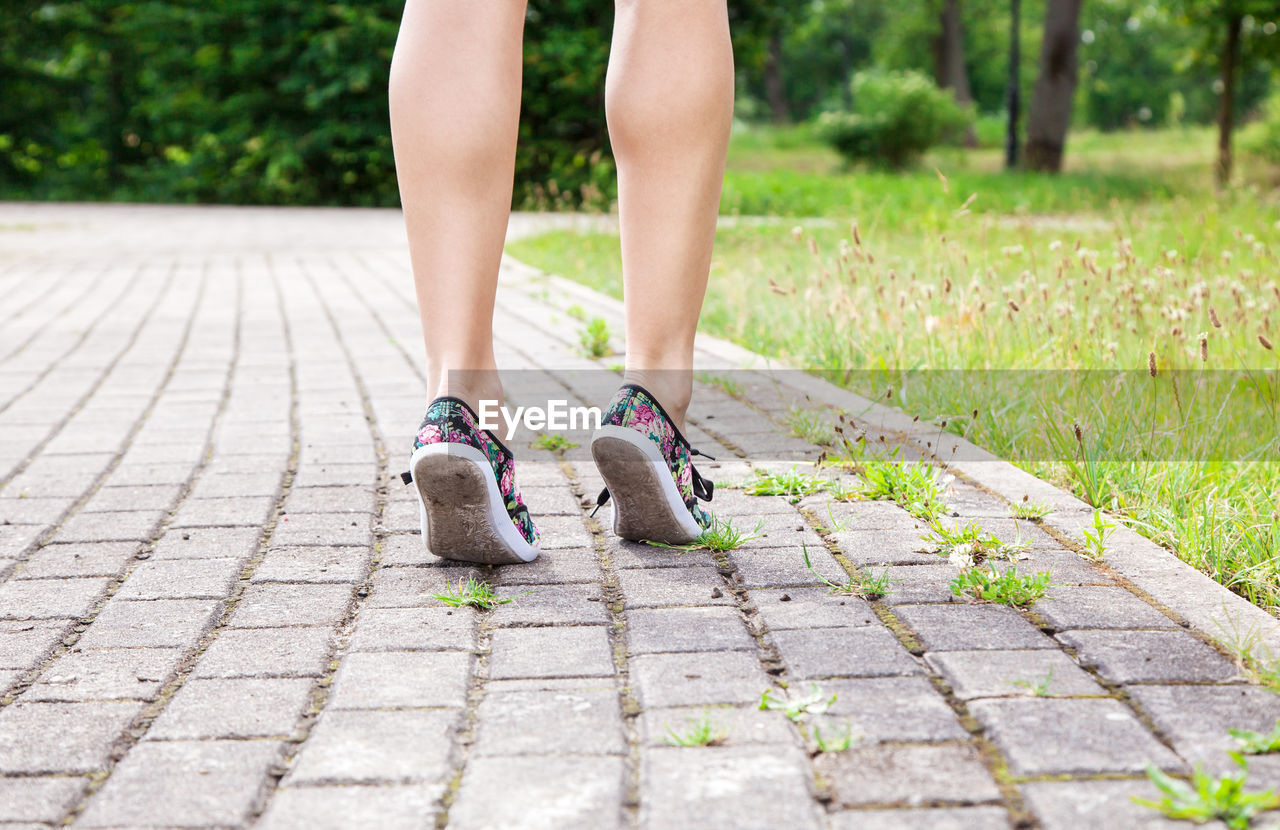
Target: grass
<point>552,441</point>
<point>1039,688</point>
<point>1022,311</point>
<point>1007,588</point>
<point>722,536</point>
<point>1095,537</point>
<point>792,483</point>
<point>1256,743</point>
<point>839,741</point>
<point>1027,509</point>
<point>913,486</point>
<point>797,705</point>
<point>1206,798</point>
<point>724,383</point>
<point>812,424</point>
<point>868,585</point>
<point>474,592</point>
<point>594,338</point>
<point>700,732</point>
<point>968,544</point>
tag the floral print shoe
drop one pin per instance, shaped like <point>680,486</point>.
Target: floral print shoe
<point>644,461</point>
<point>469,505</point>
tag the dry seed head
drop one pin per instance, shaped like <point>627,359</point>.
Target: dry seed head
<point>857,237</point>
<point>1013,306</point>
<point>1151,364</point>
<point>1204,347</point>
<point>1266,344</point>
<point>1213,318</point>
<point>1078,432</point>
<point>797,233</point>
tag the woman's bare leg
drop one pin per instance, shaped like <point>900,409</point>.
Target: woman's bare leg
<point>455,106</point>
<point>669,102</point>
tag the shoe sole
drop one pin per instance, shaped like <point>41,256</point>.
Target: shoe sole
<point>645,501</point>
<point>462,514</point>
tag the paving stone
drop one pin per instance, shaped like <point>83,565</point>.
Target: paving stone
<point>208,543</point>
<point>178,783</point>
<point>15,539</point>
<point>23,645</point>
<point>335,475</point>
<point>869,651</point>
<point>551,605</point>
<point>313,564</point>
<point>1195,719</point>
<point>909,774</point>
<point>771,567</point>
<point>1047,736</point>
<point>85,733</point>
<point>737,726</point>
<point>401,679</point>
<point>1064,567</point>
<point>15,510</point>
<point>414,587</point>
<point>84,559</point>
<point>558,566</point>
<point>624,554</point>
<point>181,579</point>
<point>1071,805</point>
<point>810,608</point>
<point>44,800</point>
<point>657,587</point>
<point>267,652</point>
<point>410,807</point>
<point>564,722</point>
<point>331,500</point>
<point>936,818</point>
<point>243,511</point>
<point>106,674</point>
<point>233,709</point>
<point>734,502</point>
<point>213,484</point>
<point>165,623</point>
<point>1149,656</point>
<point>414,629</point>
<point>974,674</point>
<point>563,532</point>
<point>406,549</point>
<point>914,584</point>
<point>777,530</point>
<point>738,788</point>
<point>865,547</point>
<point>530,792</point>
<point>401,517</point>
<point>153,497</point>
<point>37,599</point>
<point>697,679</point>
<point>578,651</point>
<point>127,526</point>
<point>963,627</point>
<point>1098,607</point>
<point>867,515</point>
<point>323,529</point>
<point>273,605</point>
<point>716,628</point>
<point>552,501</point>
<point>891,709</point>
<point>372,746</point>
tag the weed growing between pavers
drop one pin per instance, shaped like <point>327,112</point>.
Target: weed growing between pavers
<point>722,382</point>
<point>1031,510</point>
<point>1007,588</point>
<point>794,484</point>
<point>594,338</point>
<point>476,593</point>
<point>1095,537</point>
<point>700,732</point>
<point>869,585</point>
<point>799,706</point>
<point>1039,688</point>
<point>720,537</point>
<point>914,486</point>
<point>1207,798</point>
<point>1245,647</point>
<point>969,545</point>
<point>813,425</point>
<point>1256,743</point>
<point>552,441</point>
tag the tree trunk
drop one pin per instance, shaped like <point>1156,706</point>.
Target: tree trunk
<point>1226,107</point>
<point>948,55</point>
<point>1013,93</point>
<point>774,89</point>
<point>1050,113</point>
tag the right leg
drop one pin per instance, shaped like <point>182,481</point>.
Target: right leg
<point>455,108</point>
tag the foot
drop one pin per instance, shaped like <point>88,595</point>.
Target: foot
<point>470,506</point>
<point>648,475</point>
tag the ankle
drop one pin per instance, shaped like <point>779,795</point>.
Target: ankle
<point>672,387</point>
<point>470,387</point>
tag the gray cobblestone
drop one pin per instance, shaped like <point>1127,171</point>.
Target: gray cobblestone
<point>85,733</point>
<point>869,651</point>
<point>233,709</point>
<point>246,511</point>
<point>530,792</point>
<point>149,497</point>
<point>974,674</point>
<point>401,679</point>
<point>697,679</point>
<point>106,674</point>
<point>313,564</point>
<point>912,584</point>
<point>962,627</point>
<point>893,709</point>
<point>584,721</point>
<point>85,559</point>
<point>625,554</point>
<point>410,807</point>
<point>786,608</point>
<point>1149,656</point>
<point>290,652</point>
<point>1195,719</point>
<point>656,587</point>
<point>179,579</point>
<point>909,774</point>
<point>414,587</point>
<point>555,566</point>
<point>371,746</point>
<point>784,566</point>
<point>551,605</point>
<point>577,651</point>
<point>270,606</point>
<point>865,547</point>
<point>24,644</point>
<point>110,527</point>
<point>414,629</point>
<point>175,623</point>
<point>937,818</point>
<point>330,500</point>
<point>716,628</point>
<point>43,800</point>
<point>208,543</point>
<point>1098,607</point>
<point>1071,805</point>
<point>737,725</point>
<point>323,529</point>
<point>40,599</point>
<point>213,485</point>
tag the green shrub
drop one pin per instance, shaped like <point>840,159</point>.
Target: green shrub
<point>896,116</point>
<point>1263,137</point>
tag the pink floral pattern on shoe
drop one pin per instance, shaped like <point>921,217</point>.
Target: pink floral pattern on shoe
<point>450,420</point>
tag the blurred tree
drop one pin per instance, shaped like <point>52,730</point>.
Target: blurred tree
<point>1050,113</point>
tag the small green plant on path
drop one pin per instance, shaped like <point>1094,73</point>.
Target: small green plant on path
<point>1257,743</point>
<point>1027,509</point>
<point>1207,798</point>
<point>594,337</point>
<point>970,545</point>
<point>1039,688</point>
<point>725,384</point>
<point>797,705</point>
<point>792,483</point>
<point>914,486</point>
<point>869,585</point>
<point>813,425</point>
<point>475,592</point>
<point>1007,588</point>
<point>720,537</point>
<point>1095,537</point>
<point>552,441</point>
<point>576,312</point>
<point>841,741</point>
<point>702,731</point>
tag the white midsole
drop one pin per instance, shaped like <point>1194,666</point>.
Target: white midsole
<point>666,483</point>
<point>499,519</point>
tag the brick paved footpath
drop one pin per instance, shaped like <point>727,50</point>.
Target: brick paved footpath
<point>216,610</point>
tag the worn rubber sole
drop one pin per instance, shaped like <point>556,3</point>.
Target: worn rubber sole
<point>646,503</point>
<point>461,510</point>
